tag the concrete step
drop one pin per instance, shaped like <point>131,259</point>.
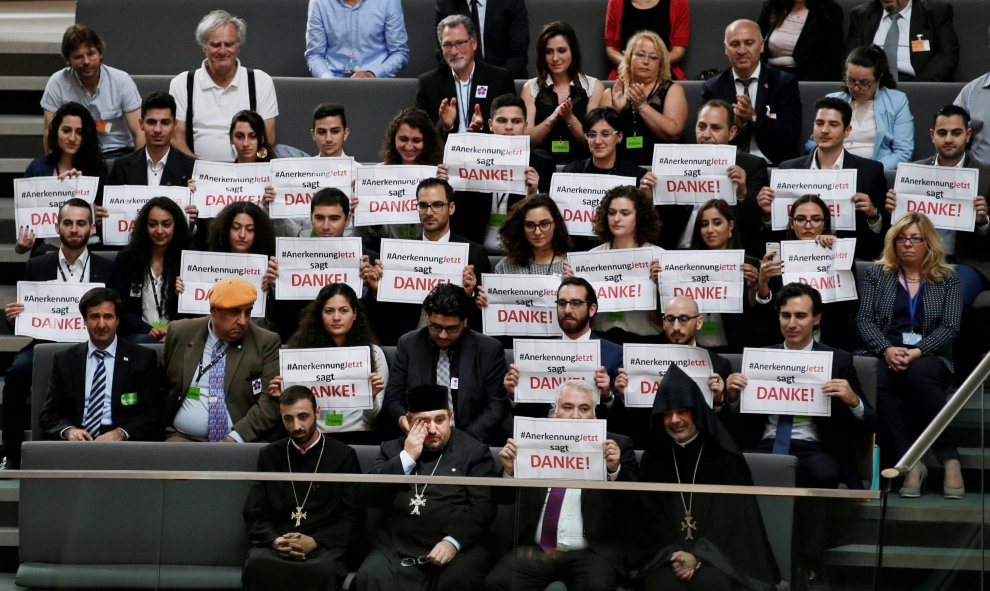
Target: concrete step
<point>10,343</point>
<point>930,507</point>
<point>7,254</point>
<point>23,83</point>
<point>21,125</point>
<point>864,555</point>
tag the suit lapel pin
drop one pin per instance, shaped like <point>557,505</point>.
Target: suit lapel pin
<point>126,359</point>
<point>766,85</point>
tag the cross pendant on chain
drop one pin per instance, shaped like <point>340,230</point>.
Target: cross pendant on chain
<point>298,516</point>
<point>416,502</point>
<point>688,525</point>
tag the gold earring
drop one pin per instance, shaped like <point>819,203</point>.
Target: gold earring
<point>262,152</point>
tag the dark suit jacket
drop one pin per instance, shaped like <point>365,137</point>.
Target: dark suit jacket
<point>838,433</point>
<point>134,371</point>
<point>255,416</point>
<point>870,180</point>
<point>478,364</point>
<point>818,53</point>
<point>505,36</point>
<point>436,85</point>
<point>44,267</point>
<point>777,93</point>
<point>133,169</point>
<point>931,19</point>
<point>601,510</point>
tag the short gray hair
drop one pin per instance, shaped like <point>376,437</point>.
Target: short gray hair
<point>219,18</point>
<point>579,385</point>
<point>455,20</point>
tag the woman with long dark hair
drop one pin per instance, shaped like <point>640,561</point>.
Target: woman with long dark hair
<point>803,37</point>
<point>534,238</point>
<point>411,138</point>
<point>336,318</point>
<point>144,273</point>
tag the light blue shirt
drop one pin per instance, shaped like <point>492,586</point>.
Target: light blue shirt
<point>370,35</point>
<point>109,362</point>
<point>116,95</point>
<point>194,415</point>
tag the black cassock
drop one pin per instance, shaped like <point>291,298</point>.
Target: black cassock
<point>333,518</point>
<point>464,513</point>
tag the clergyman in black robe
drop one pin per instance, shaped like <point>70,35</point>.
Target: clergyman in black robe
<point>698,541</point>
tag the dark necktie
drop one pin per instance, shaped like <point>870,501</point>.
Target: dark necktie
<point>782,441</point>
<point>551,519</point>
<point>97,395</point>
<point>744,136</point>
<point>477,28</point>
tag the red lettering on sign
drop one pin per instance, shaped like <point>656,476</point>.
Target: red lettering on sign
<point>333,390</point>
<point>392,206</point>
<point>785,393</point>
<point>317,279</point>
<point>943,208</point>
<point>702,292</point>
<point>560,462</point>
<point>418,283</point>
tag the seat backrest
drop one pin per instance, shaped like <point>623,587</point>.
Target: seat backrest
<point>777,512</point>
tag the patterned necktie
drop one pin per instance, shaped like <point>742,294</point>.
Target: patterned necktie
<point>782,441</point>
<point>551,519</point>
<point>97,395</point>
<point>890,43</point>
<point>218,402</point>
<point>443,375</point>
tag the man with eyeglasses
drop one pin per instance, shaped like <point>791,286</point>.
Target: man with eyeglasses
<point>468,364</point>
<point>569,535</point>
<point>833,123</point>
<point>577,305</point>
<point>766,102</point>
<point>458,95</point>
<point>824,446</point>
<point>432,536</point>
<point>502,30</point>
<point>950,135</point>
<point>918,36</point>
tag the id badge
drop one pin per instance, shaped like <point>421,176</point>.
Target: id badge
<point>495,220</point>
<point>634,142</point>
<point>709,328</point>
<point>334,419</point>
<point>910,338</point>
<point>560,147</point>
<point>918,45</point>
<point>195,393</point>
<point>159,324</point>
<point>615,316</point>
<point>128,399</point>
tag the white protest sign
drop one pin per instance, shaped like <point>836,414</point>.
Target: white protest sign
<point>689,174</point>
<point>559,449</point>
<point>835,187</point>
<point>487,162</point>
<point>337,376</point>
<point>387,193</point>
<point>520,305</point>
<point>51,310</point>
<point>620,278</point>
<point>943,193</point>
<point>647,364</point>
<point>545,365</point>
<point>200,270</point>
<point>305,265</point>
<point>124,203</point>
<point>712,278</point>
<point>219,184</point>
<point>578,194</point>
<point>829,270</point>
<point>784,382</point>
<point>37,200</point>
<point>411,268</point>
<point>296,180</point>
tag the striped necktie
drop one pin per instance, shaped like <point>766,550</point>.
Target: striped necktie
<point>97,395</point>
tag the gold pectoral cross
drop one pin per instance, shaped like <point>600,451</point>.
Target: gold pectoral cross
<point>298,516</point>
<point>416,502</point>
<point>688,525</point>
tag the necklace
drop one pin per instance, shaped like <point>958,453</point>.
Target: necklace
<point>688,524</point>
<point>418,501</point>
<point>298,515</point>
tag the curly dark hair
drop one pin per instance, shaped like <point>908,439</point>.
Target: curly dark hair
<point>312,334</point>
<point>815,199</point>
<point>89,159</point>
<point>258,127</point>
<point>647,221</point>
<point>735,239</point>
<point>264,229</point>
<point>139,248</point>
<point>512,234</point>
<point>417,119</point>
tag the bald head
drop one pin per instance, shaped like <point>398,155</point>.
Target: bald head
<point>743,46</point>
<point>681,321</point>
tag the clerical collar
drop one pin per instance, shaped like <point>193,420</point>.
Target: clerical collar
<point>689,441</point>
<point>312,446</point>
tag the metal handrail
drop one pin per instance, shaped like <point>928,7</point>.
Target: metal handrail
<point>941,421</point>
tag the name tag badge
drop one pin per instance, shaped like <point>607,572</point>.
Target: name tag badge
<point>334,419</point>
<point>920,44</point>
<point>709,327</point>
<point>615,316</point>
<point>634,142</point>
<point>800,419</point>
<point>103,126</point>
<point>453,383</point>
<point>495,220</point>
<point>256,387</point>
<point>128,399</point>
<point>560,146</point>
<point>194,393</point>
<point>911,338</point>
<point>481,92</point>
<point>135,290</point>
<point>159,324</point>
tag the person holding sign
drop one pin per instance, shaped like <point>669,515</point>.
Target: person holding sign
<point>431,537</point>
<point>652,108</point>
<point>534,238</point>
<point>909,314</point>
<point>302,546</point>
<point>336,318</point>
<point>569,535</point>
<point>217,370</point>
<point>156,164</point>
<point>105,389</point>
<point>823,445</point>
<point>951,134</point>
<point>704,541</point>
<point>145,272</point>
<point>833,124</point>
<point>71,263</point>
<point>468,364</point>
<point>245,228</point>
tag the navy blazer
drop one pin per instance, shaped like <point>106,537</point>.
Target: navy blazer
<point>135,371</point>
<point>133,169</point>
<point>436,85</point>
<point>870,180</point>
<point>930,20</point>
<point>941,301</point>
<point>505,38</point>
<point>778,111</point>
